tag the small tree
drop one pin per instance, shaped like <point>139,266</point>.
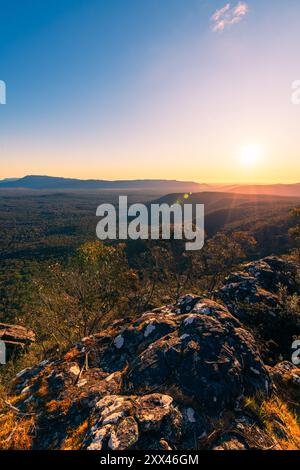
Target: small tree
<point>222,253</point>
<point>75,300</point>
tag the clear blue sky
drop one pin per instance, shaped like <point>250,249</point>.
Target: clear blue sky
<point>149,88</point>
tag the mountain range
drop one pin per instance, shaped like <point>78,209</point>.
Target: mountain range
<point>38,182</point>
<point>50,182</point>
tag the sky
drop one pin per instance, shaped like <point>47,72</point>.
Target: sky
<point>123,89</point>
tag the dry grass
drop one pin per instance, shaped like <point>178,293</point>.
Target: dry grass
<point>61,406</point>
<point>75,437</point>
<point>15,432</point>
<point>278,420</point>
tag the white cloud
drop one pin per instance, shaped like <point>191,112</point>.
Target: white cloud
<point>228,15</point>
<point>221,12</point>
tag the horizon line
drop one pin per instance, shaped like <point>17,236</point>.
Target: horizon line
<point>248,183</point>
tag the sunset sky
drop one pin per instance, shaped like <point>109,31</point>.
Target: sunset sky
<point>123,89</point>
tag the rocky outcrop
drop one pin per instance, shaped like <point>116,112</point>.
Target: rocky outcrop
<point>152,383</point>
<point>257,295</point>
<point>163,381</point>
<point>15,334</point>
<point>258,282</point>
<point>16,338</point>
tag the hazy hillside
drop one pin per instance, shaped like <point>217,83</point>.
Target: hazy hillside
<point>267,218</point>
<point>268,189</point>
<point>226,208</point>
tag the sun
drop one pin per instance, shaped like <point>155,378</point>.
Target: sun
<point>250,155</point>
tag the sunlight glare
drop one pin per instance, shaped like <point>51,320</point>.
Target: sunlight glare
<point>250,155</point>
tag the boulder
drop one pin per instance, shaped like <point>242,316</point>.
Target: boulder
<point>286,377</point>
<point>152,383</point>
<point>209,357</point>
<point>124,422</point>
<point>259,282</point>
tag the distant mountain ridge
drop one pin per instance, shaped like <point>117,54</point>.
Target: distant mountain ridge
<point>6,180</point>
<point>40,182</point>
<point>51,182</point>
